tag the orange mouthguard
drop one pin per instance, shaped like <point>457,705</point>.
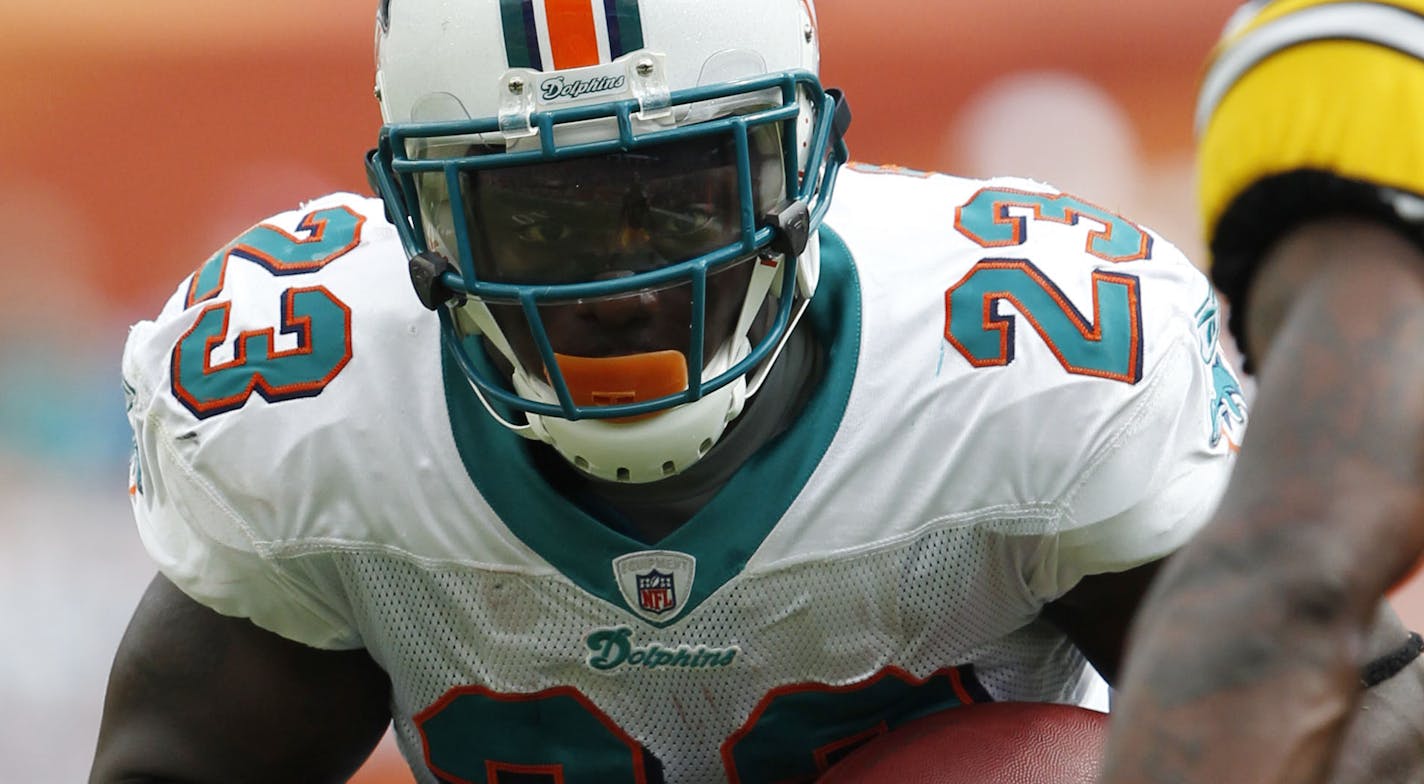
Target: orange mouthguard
<point>608,381</point>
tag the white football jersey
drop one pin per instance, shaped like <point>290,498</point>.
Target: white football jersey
<point>1020,389</point>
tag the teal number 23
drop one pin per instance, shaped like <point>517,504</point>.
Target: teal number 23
<point>1106,344</point>
<point>319,321</point>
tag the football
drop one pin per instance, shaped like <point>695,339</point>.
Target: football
<point>989,743</point>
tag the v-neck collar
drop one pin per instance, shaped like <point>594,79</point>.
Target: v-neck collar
<point>722,535</point>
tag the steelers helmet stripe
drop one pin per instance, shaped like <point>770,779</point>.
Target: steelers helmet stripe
<point>1384,25</point>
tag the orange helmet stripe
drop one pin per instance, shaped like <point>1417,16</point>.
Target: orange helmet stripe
<point>573,35</point>
<point>562,34</point>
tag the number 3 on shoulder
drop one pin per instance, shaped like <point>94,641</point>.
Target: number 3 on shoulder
<point>1106,345</point>
<point>320,322</point>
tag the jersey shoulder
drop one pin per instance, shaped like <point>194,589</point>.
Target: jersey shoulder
<point>282,375</point>
<point>296,307</point>
<point>1013,283</point>
<point>1031,349</point>
<point>289,409</point>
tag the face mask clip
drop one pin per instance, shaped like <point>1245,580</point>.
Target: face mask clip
<point>427,277</point>
<point>517,103</point>
<point>647,80</point>
<point>791,220</point>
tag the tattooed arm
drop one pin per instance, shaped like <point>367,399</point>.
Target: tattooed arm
<point>1246,660</point>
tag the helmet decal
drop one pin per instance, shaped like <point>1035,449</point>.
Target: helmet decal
<point>571,33</point>
<point>625,26</point>
<point>573,36</point>
<point>521,35</point>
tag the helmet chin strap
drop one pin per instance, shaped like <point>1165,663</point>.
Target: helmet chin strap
<point>474,318</point>
<point>658,446</point>
<point>767,364</point>
<point>807,269</point>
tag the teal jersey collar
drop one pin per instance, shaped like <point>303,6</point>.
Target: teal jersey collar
<point>723,535</point>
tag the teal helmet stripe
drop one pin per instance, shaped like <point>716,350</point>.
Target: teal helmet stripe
<point>521,35</point>
<point>625,26</point>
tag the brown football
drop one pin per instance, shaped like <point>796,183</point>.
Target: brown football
<point>989,743</point>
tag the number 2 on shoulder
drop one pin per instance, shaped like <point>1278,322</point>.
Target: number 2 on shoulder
<point>1106,343</point>
<point>320,323</point>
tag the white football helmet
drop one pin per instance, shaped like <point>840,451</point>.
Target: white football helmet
<point>599,197</point>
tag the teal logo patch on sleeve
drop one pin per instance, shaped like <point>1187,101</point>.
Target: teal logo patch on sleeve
<point>1227,406</point>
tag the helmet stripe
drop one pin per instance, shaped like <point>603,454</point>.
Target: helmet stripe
<point>625,26</point>
<point>569,33</point>
<point>573,38</point>
<point>521,36</point>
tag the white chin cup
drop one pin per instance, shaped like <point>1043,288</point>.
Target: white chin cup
<point>645,450</point>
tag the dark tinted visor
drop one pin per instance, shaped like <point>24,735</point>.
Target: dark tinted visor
<point>586,219</point>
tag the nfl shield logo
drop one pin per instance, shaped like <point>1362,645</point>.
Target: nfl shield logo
<point>655,592</point>
<point>655,584</point>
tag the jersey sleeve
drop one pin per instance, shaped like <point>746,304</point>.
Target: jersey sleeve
<point>1083,404</point>
<point>1308,109</point>
<point>201,543</point>
<point>212,488</point>
<point>1155,480</point>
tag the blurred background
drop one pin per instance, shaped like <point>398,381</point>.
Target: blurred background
<point>137,138</point>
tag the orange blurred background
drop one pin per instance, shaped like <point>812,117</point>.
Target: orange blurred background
<point>138,138</point>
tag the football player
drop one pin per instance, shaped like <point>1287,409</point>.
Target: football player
<point>605,446</point>
<point>1263,657</point>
